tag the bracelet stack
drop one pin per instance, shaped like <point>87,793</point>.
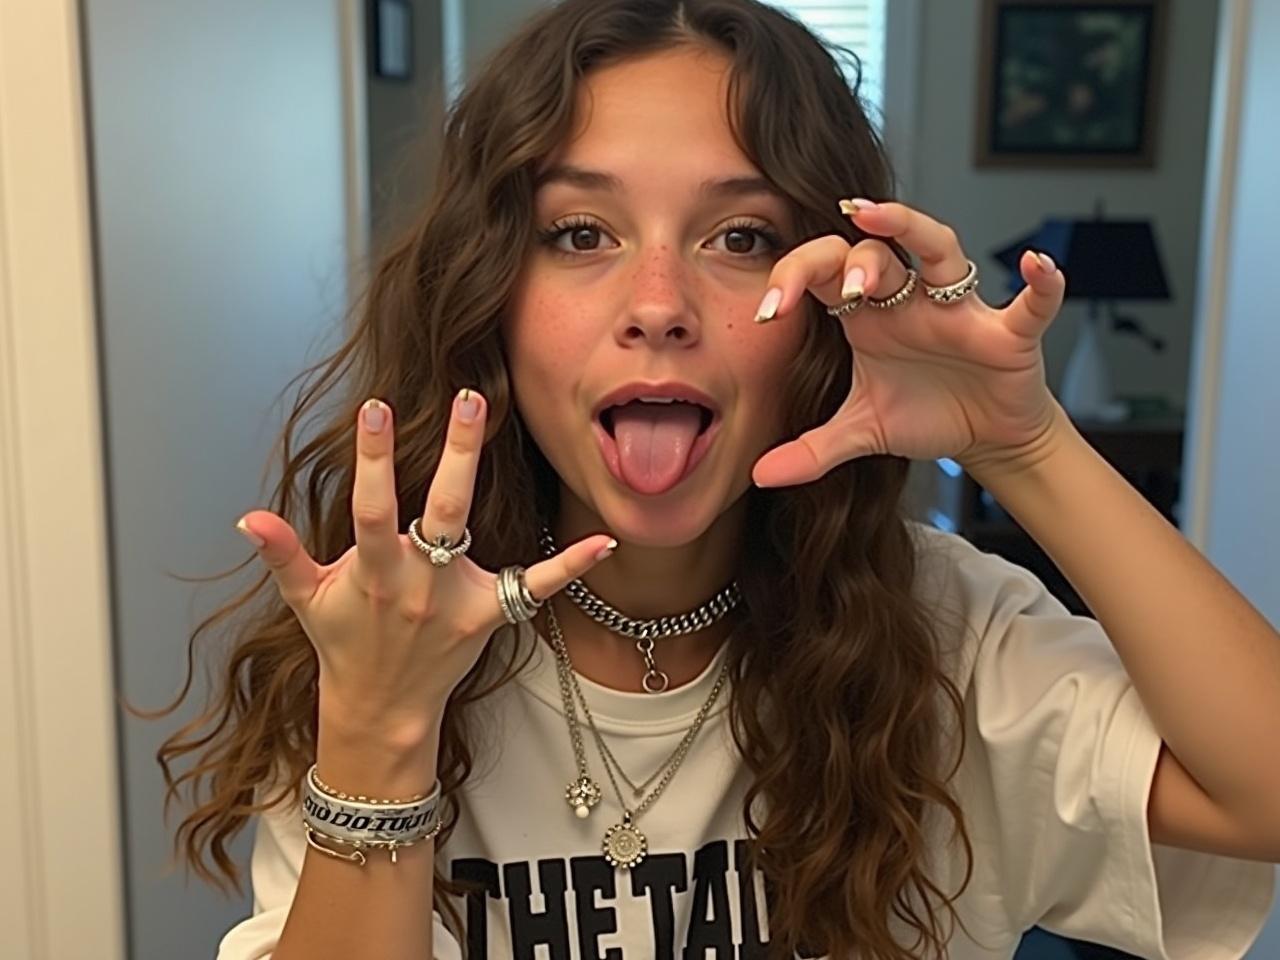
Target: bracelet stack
<point>363,823</point>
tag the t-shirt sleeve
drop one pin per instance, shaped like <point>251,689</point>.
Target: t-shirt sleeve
<point>279,847</point>
<point>1060,758</point>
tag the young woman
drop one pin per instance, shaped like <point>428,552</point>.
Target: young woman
<point>597,611</point>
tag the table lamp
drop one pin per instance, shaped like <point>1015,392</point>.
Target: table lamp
<point>1104,261</point>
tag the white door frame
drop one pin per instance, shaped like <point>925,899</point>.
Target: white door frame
<point>1214,265</point>
<point>61,891</point>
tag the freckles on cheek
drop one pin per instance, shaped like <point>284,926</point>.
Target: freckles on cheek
<point>552,337</point>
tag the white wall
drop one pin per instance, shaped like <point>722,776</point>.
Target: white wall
<point>1233,477</point>
<point>217,149</point>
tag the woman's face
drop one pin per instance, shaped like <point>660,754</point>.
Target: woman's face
<point>656,246</point>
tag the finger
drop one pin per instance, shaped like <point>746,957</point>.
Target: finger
<point>449,497</point>
<point>936,246</point>
<point>295,573</point>
<point>816,264</point>
<point>373,494</point>
<point>871,268</point>
<point>548,577</point>
<point>1040,300</point>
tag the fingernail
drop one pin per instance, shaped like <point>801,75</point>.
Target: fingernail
<point>857,205</point>
<point>854,281</point>
<point>252,537</point>
<point>1046,262</point>
<point>468,405</point>
<point>607,549</point>
<point>375,417</point>
<point>769,305</point>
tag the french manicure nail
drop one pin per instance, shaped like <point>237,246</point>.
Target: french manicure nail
<point>769,305</point>
<point>375,417</point>
<point>252,537</point>
<point>1046,262</point>
<point>854,281</point>
<point>607,549</point>
<point>851,208</point>
<point>468,405</point>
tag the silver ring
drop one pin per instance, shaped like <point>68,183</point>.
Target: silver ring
<point>952,292</point>
<point>845,307</point>
<point>514,598</point>
<point>441,551</point>
<point>900,296</point>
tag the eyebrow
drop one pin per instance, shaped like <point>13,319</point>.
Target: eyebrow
<point>715,189</point>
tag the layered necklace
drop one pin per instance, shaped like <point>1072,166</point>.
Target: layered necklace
<point>623,843</point>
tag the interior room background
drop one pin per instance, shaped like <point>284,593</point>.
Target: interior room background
<point>244,159</point>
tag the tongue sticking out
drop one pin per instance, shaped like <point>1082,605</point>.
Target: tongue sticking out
<point>654,440</point>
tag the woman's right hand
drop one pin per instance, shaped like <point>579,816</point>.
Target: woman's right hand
<point>393,633</point>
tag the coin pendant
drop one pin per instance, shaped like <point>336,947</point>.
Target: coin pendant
<point>624,846</point>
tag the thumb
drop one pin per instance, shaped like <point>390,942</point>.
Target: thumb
<point>811,455</point>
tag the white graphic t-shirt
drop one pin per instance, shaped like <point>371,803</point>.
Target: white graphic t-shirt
<point>1054,783</point>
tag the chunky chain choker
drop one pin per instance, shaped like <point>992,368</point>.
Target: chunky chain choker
<point>644,632</point>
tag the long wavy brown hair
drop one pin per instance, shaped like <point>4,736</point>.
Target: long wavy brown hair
<point>836,667</point>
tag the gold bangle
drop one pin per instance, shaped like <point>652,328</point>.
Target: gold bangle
<point>357,856</point>
<point>339,795</point>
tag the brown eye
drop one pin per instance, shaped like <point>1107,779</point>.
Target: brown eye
<point>585,238</point>
<point>740,241</point>
<point>749,241</point>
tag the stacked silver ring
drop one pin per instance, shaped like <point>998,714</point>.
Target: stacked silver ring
<point>441,551</point>
<point>514,598</point>
<point>954,291</point>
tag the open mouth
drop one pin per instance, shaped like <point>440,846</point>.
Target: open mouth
<point>705,415</point>
<point>652,447</point>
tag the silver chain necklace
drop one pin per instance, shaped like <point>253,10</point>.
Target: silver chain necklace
<point>607,757</point>
<point>644,632</point>
<point>623,844</point>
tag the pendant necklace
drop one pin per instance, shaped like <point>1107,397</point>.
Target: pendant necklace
<point>623,844</point>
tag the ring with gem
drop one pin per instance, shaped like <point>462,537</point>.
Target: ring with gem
<point>441,551</point>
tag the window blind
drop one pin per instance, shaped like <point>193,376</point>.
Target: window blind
<point>856,25</point>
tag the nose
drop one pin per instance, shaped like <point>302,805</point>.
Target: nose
<point>659,311</point>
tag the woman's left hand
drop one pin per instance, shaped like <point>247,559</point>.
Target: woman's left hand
<point>962,380</point>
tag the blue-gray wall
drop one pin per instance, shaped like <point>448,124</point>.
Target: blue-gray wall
<point>218,185</point>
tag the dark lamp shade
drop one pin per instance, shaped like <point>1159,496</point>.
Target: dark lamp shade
<point>1102,259</point>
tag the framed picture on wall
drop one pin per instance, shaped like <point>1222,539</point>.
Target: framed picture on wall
<point>1068,83</point>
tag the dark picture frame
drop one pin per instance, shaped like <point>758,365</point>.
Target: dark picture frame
<point>1069,83</point>
<point>391,39</point>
